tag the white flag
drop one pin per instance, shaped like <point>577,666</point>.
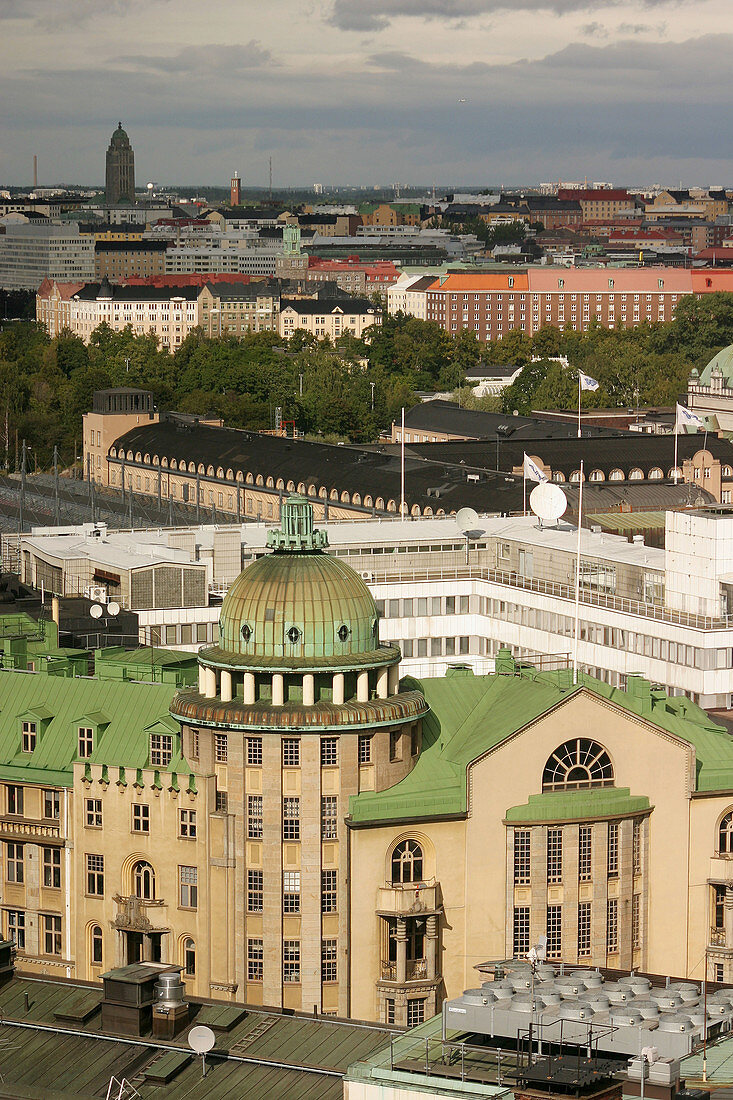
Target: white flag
<point>686,418</point>
<point>532,471</point>
<point>586,382</point>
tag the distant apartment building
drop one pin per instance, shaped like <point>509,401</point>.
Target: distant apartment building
<point>332,317</point>
<point>113,412</point>
<point>31,253</point>
<point>408,295</point>
<point>600,202</point>
<point>230,309</point>
<point>119,260</point>
<point>390,213</point>
<point>353,276</point>
<point>53,305</point>
<point>249,259</point>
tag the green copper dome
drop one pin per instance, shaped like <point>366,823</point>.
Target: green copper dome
<point>298,602</point>
<point>120,136</point>
<point>723,362</point>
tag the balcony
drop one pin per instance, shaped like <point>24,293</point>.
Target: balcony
<point>19,828</point>
<point>416,970</point>
<point>409,899</point>
<point>717,937</point>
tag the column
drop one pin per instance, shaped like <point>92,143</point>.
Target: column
<point>309,689</point>
<point>728,916</point>
<point>278,689</point>
<point>202,680</point>
<point>394,679</point>
<point>226,686</point>
<point>248,687</point>
<point>210,683</point>
<point>401,940</point>
<point>431,952</point>
<point>338,688</point>
<point>383,683</point>
<point>362,687</point>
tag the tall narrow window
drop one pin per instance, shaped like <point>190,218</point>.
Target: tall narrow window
<point>95,875</point>
<point>86,741</point>
<point>329,752</point>
<point>585,853</point>
<point>52,805</point>
<point>521,857</point>
<point>52,868</point>
<point>291,891</point>
<point>188,887</point>
<point>613,849</point>
<point>189,958</point>
<point>329,891</point>
<point>254,816</point>
<point>637,845</point>
<point>329,961</point>
<point>16,927</point>
<point>554,931</point>
<point>291,752</point>
<point>143,880</point>
<point>329,817</point>
<point>254,751</point>
<point>97,943</point>
<point>636,922</point>
<point>255,960</point>
<point>93,813</point>
<point>52,935</point>
<point>407,862</point>
<point>291,961</point>
<point>584,929</point>
<point>520,946</point>
<point>29,736</point>
<point>255,891</point>
<point>612,927</point>
<point>14,871</point>
<point>221,748</point>
<point>554,855</point>
<point>365,749</point>
<point>291,819</point>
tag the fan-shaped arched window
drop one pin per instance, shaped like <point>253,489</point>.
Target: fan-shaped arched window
<point>143,880</point>
<point>578,765</point>
<point>189,958</point>
<point>407,862</point>
<point>725,835</point>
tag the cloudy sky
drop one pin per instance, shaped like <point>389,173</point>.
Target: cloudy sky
<point>369,91</point>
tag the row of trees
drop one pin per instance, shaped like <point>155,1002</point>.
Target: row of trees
<point>351,391</point>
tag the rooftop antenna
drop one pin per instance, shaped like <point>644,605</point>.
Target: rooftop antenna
<point>467,521</point>
<point>535,955</point>
<point>201,1040</point>
<point>124,1089</point>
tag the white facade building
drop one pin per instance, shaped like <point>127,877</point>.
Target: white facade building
<point>409,295</point>
<point>31,253</point>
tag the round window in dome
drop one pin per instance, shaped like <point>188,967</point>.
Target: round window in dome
<point>293,635</point>
<point>343,632</point>
<point>246,632</point>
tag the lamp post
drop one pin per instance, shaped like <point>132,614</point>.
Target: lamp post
<point>372,384</point>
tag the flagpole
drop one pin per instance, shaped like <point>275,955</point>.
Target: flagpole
<point>524,490</point>
<point>580,433</point>
<point>402,469</point>
<point>676,419</point>
<point>577,579</point>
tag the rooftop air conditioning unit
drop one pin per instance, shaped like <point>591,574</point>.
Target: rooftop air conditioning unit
<point>366,575</point>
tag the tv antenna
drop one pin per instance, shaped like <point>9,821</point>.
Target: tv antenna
<point>467,521</point>
<point>548,502</point>
<point>201,1040</point>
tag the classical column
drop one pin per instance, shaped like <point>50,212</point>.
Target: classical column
<point>226,686</point>
<point>431,953</point>
<point>202,680</point>
<point>362,687</point>
<point>394,679</point>
<point>401,940</point>
<point>383,683</point>
<point>309,689</point>
<point>338,688</point>
<point>248,687</point>
<point>210,683</point>
<point>278,689</point>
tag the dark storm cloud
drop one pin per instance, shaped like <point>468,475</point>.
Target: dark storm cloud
<point>206,59</point>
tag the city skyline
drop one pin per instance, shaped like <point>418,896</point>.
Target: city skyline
<point>337,93</point>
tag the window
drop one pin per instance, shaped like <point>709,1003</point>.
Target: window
<point>96,944</point>
<point>221,748</point>
<point>389,1014</point>
<point>584,925</point>
<point>585,853</point>
<point>291,752</point>
<point>725,834</point>
<point>95,876</point>
<point>86,741</point>
<point>612,927</point>
<point>554,931</point>
<point>291,961</point>
<point>415,1012</point>
<point>29,736</point>
<point>161,749</point>
<point>554,855</point>
<point>365,749</point>
<point>255,960</point>
<point>194,733</point>
<point>578,765</point>
<point>636,846</point>
<point>143,880</point>
<point>329,891</point>
<point>329,817</point>
<point>291,819</point>
<point>52,935</point>
<point>187,824</point>
<point>221,802</point>
<point>15,800</point>
<point>613,849</point>
<point>291,891</point>
<point>329,961</point>
<point>254,816</point>
<point>636,922</point>
<point>521,857</point>
<point>14,862</point>
<point>16,927</point>
<point>140,818</point>
<point>254,751</point>
<point>52,805</point>
<point>329,752</point>
<point>718,972</point>
<point>52,868</point>
<point>255,891</point>
<point>189,958</point>
<point>395,743</point>
<point>520,945</point>
<point>93,813</point>
<point>188,887</point>
<point>407,862</point>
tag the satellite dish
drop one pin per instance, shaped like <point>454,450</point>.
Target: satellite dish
<point>113,608</point>
<point>96,611</point>
<point>467,521</point>
<point>548,502</point>
<point>201,1039</point>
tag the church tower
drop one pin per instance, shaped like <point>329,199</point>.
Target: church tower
<point>120,177</point>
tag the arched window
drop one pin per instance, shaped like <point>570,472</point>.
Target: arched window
<point>558,476</point>
<point>636,474</point>
<point>96,945</point>
<point>189,958</point>
<point>407,862</point>
<point>727,471</point>
<point>725,835</point>
<point>578,765</point>
<point>656,473</point>
<point>143,880</point>
<point>597,475</point>
<point>616,475</point>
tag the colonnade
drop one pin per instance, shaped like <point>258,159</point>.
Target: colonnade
<point>220,683</point>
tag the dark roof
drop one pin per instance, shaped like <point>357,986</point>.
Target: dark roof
<point>132,246</point>
<point>238,292</point>
<point>324,304</point>
<point>90,292</point>
<point>552,204</point>
<point>445,416</point>
<point>422,283</point>
<point>494,370</point>
<point>317,219</point>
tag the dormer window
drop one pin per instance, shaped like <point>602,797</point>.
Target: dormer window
<point>161,749</point>
<point>29,736</point>
<point>86,741</point>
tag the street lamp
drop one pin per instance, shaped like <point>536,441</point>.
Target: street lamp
<point>372,384</point>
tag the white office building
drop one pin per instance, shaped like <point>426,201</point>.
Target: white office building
<point>31,253</point>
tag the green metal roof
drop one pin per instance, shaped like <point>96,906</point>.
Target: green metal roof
<point>469,715</point>
<point>627,522</point>
<point>578,805</point>
<point>723,361</point>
